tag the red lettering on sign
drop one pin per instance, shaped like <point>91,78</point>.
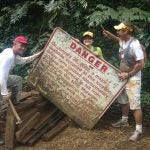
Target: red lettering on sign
<point>73,45</point>
<point>78,50</point>
<point>104,68</point>
<point>97,63</point>
<point>88,57</point>
<point>85,54</point>
<point>91,59</point>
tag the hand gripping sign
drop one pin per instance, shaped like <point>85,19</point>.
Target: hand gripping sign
<point>77,82</point>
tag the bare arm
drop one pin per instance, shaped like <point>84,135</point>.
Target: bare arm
<point>25,60</point>
<point>111,36</point>
<point>137,67</point>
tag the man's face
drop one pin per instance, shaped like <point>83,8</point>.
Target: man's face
<point>123,33</point>
<point>19,48</point>
<point>88,41</point>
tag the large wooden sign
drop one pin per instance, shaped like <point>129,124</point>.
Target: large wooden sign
<point>80,84</point>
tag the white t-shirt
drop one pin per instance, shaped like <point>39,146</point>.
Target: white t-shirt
<point>136,50</point>
<point>7,61</point>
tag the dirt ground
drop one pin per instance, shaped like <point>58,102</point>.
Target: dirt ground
<point>103,137</point>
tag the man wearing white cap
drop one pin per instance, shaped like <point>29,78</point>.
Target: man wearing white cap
<point>8,58</point>
<point>131,64</point>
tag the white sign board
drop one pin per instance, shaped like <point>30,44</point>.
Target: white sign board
<point>77,82</point>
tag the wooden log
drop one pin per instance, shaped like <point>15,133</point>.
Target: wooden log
<point>27,116</point>
<point>29,103</point>
<point>2,126</point>
<point>2,130</point>
<point>4,106</point>
<point>27,126</point>
<point>51,124</point>
<point>38,135</point>
<point>56,130</point>
<point>2,123</point>
<point>37,100</point>
<point>25,95</point>
<point>39,126</point>
<point>24,106</point>
<point>29,136</point>
<point>3,115</point>
<point>2,112</point>
<point>46,117</point>
<point>10,129</point>
<point>42,104</point>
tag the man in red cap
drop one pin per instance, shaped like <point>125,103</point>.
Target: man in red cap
<point>8,58</point>
<point>131,64</point>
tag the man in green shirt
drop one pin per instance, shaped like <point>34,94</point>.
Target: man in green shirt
<point>88,41</point>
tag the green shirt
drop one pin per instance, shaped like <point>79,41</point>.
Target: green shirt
<point>98,49</point>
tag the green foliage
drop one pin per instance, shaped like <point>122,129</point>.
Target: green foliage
<point>21,12</point>
<point>146,77</point>
<point>104,13</point>
<point>101,14</point>
<point>145,97</point>
<point>133,14</point>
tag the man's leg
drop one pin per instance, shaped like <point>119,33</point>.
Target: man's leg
<point>138,130</point>
<point>138,116</point>
<point>15,83</point>
<point>123,100</point>
<point>125,109</point>
<point>134,88</point>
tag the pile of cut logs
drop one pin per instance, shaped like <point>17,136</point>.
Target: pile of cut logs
<point>40,120</point>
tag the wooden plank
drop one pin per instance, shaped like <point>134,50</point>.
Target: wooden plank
<point>45,119</point>
<point>2,123</point>
<point>3,114</point>
<point>24,106</point>
<point>29,136</point>
<point>27,126</point>
<point>2,126</point>
<point>42,104</point>
<point>25,95</point>
<point>52,123</point>
<point>40,126</point>
<point>56,130</point>
<point>10,130</point>
<point>27,116</point>
<point>29,103</point>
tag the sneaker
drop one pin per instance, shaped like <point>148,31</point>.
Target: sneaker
<point>120,123</point>
<point>1,141</point>
<point>136,135</point>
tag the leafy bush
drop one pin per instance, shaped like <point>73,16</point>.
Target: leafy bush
<point>145,97</point>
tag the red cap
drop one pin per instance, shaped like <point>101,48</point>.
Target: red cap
<point>21,39</point>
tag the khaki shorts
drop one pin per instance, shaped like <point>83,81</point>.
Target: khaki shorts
<point>15,84</point>
<point>131,94</point>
